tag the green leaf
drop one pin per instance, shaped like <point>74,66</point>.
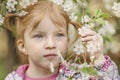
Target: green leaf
<point>1,1</point>
<point>107,38</point>
<point>89,70</point>
<point>103,15</point>
<point>98,12</point>
<point>100,21</point>
<point>75,1</point>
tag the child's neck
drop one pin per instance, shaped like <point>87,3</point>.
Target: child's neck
<point>40,72</point>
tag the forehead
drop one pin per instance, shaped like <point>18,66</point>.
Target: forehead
<point>47,21</point>
<point>46,24</point>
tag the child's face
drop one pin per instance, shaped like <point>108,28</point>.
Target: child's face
<point>43,42</point>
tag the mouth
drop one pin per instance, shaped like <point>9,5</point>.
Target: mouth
<point>50,55</point>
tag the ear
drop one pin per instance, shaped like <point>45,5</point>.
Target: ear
<point>21,46</point>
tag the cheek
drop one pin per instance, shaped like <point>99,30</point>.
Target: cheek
<point>63,48</point>
<point>65,45</point>
<point>31,47</point>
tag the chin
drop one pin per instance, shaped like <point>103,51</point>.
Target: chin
<point>56,64</point>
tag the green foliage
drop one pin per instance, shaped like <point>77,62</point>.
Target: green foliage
<point>119,69</point>
<point>3,70</point>
<point>75,1</point>
<point>89,70</point>
<point>100,16</point>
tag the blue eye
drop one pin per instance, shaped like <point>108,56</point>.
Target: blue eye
<point>38,36</point>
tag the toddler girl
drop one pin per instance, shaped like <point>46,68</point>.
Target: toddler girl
<point>43,38</point>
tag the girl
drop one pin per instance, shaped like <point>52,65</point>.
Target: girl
<point>41,33</point>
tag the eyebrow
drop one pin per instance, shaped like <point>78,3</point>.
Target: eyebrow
<point>40,31</point>
<point>36,31</point>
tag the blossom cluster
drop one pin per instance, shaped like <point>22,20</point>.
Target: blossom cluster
<point>68,7</point>
<point>11,4</point>
<point>107,29</point>
<point>1,19</point>
<point>87,22</point>
<point>116,8</point>
<point>90,47</point>
<point>84,71</point>
<point>15,6</point>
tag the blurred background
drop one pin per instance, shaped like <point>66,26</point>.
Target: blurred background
<point>111,32</point>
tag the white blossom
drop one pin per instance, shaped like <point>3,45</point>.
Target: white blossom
<point>11,5</point>
<point>85,76</point>
<point>90,25</point>
<point>61,71</point>
<point>17,77</point>
<point>73,16</point>
<point>85,19</point>
<point>116,8</point>
<point>79,48</point>
<point>106,78</point>
<point>99,61</point>
<point>92,58</point>
<point>68,5</point>
<point>1,19</point>
<point>24,3</point>
<point>84,30</point>
<point>33,1</point>
<point>59,2</point>
<point>22,13</point>
<point>117,13</point>
<point>93,46</point>
<point>52,67</point>
<point>107,29</point>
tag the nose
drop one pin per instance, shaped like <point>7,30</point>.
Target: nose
<point>50,43</point>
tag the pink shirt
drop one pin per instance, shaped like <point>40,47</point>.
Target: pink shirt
<point>19,74</point>
<point>53,77</point>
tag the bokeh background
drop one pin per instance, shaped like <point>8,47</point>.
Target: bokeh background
<point>9,59</point>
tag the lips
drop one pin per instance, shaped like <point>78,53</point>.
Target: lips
<point>50,55</point>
